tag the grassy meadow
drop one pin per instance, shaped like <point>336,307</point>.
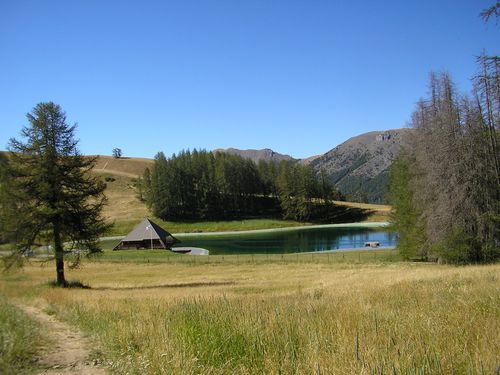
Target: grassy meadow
<point>318,316</point>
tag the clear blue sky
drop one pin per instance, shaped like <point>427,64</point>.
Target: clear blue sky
<point>299,77</point>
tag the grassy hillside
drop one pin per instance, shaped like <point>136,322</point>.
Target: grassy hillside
<point>132,167</point>
<point>307,318</point>
<point>123,204</point>
<point>125,210</point>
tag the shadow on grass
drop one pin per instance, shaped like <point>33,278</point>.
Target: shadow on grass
<point>72,284</point>
<point>341,214</point>
<point>177,285</point>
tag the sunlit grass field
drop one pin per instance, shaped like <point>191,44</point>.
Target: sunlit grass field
<point>20,337</point>
<point>318,316</point>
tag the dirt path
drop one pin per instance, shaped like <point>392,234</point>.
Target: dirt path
<point>69,351</point>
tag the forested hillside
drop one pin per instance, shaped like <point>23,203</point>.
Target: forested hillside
<point>258,155</point>
<point>359,167</point>
<point>205,185</point>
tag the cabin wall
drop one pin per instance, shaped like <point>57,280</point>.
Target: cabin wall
<point>145,244</point>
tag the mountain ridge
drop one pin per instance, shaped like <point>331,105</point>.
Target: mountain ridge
<point>359,167</point>
<point>265,154</point>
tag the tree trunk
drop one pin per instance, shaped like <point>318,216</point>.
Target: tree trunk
<point>59,252</point>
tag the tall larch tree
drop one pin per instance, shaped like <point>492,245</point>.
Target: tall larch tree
<point>52,197</point>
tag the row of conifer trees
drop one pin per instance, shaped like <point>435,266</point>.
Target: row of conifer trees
<point>216,185</point>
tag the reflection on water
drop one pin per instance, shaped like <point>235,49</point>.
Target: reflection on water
<point>291,241</point>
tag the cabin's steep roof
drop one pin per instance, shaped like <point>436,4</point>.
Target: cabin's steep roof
<point>147,230</point>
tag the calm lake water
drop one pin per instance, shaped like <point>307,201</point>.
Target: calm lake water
<point>291,241</point>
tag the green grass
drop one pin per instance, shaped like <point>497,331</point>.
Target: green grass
<point>108,244</point>
<point>122,227</point>
<point>162,256</point>
<point>19,337</point>
<point>6,247</point>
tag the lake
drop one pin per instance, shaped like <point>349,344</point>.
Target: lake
<point>291,241</point>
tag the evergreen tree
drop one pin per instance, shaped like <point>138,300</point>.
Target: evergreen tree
<point>405,216</point>
<point>50,195</point>
<point>204,185</point>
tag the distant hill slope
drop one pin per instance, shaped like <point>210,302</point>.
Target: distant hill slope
<point>310,159</point>
<point>256,155</point>
<point>359,167</point>
<point>131,167</point>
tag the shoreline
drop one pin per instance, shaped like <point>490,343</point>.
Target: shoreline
<point>375,224</point>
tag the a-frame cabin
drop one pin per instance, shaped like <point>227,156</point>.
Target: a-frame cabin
<point>147,235</point>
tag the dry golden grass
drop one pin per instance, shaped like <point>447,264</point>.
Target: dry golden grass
<point>379,212</point>
<point>122,204</point>
<point>132,167</point>
<point>281,318</point>
<point>366,206</point>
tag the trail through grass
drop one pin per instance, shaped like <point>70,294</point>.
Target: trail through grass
<point>306,318</point>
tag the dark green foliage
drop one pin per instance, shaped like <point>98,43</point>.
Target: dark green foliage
<point>203,185</point>
<point>363,189</point>
<point>405,215</point>
<point>49,194</point>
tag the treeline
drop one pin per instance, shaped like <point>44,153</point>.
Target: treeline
<point>205,185</point>
<point>445,186</point>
